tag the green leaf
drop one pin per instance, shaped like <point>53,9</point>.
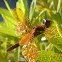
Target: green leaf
<point>2,24</point>
<point>58,6</point>
<point>7,16</point>
<point>58,46</point>
<point>7,5</point>
<point>32,9</point>
<point>49,56</point>
<point>55,2</point>
<point>5,12</point>
<point>57,51</point>
<point>10,22</point>
<point>8,31</point>
<point>49,47</point>
<point>57,42</point>
<point>17,54</point>
<point>40,46</point>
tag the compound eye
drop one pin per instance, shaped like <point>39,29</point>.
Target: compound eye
<point>33,27</point>
<point>44,21</point>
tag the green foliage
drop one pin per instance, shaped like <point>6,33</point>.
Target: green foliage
<point>32,9</point>
<point>49,49</point>
<point>17,54</point>
<point>49,56</point>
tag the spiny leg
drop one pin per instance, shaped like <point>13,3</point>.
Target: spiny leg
<point>50,31</point>
<point>47,35</point>
<point>53,29</point>
<point>54,36</point>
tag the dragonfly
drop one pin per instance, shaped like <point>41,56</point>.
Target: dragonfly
<point>28,32</point>
<point>36,30</point>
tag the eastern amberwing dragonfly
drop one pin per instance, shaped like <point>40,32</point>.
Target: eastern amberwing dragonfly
<point>22,28</point>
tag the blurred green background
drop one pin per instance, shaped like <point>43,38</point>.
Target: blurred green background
<point>12,4</point>
<point>49,49</point>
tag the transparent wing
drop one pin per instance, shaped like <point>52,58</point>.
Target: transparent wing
<point>27,38</point>
<point>21,29</point>
<point>29,51</point>
<point>20,16</point>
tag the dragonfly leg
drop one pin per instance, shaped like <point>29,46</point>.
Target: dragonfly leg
<point>50,31</point>
<point>54,36</point>
<point>53,29</point>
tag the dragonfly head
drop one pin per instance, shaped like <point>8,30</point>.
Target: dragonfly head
<point>47,23</point>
